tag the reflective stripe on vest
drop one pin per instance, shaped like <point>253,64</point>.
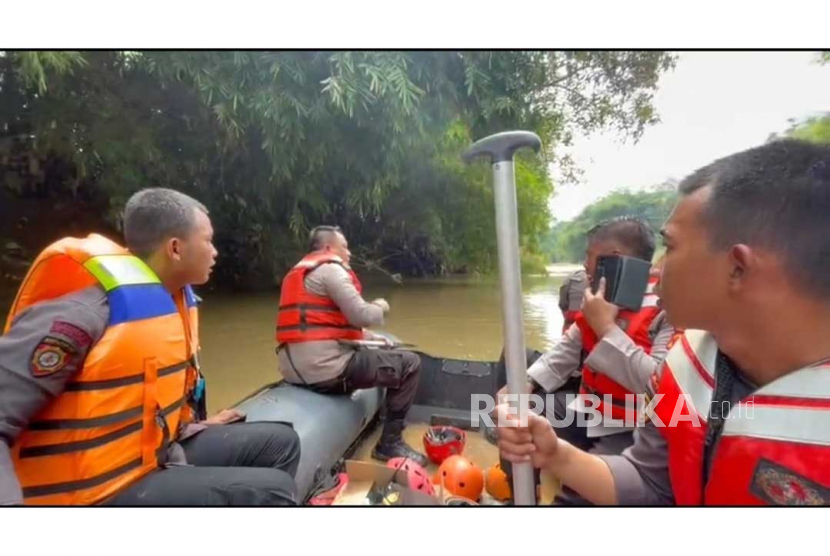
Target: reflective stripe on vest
<point>775,444</point>
<point>113,421</point>
<point>693,368</point>
<point>794,408</point>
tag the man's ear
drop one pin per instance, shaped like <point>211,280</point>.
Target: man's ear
<point>173,248</point>
<point>742,262</point>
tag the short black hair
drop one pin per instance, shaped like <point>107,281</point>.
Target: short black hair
<point>320,236</point>
<point>154,215</point>
<point>631,232</point>
<point>776,196</point>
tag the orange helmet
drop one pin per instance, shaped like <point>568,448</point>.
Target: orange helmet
<point>461,477</point>
<point>495,481</point>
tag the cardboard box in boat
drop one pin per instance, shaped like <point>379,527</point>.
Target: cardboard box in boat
<point>365,477</point>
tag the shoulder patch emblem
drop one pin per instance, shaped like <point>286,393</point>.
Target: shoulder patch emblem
<point>778,485</point>
<point>50,356</point>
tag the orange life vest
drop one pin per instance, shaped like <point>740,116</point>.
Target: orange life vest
<point>774,447</point>
<point>636,325</point>
<point>116,417</point>
<point>305,317</point>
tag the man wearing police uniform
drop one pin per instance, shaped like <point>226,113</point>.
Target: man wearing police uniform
<point>742,405</point>
<point>100,388</point>
<point>321,306</point>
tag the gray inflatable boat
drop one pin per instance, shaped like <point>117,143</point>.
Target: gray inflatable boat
<point>330,427</point>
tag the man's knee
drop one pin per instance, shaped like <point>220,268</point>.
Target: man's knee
<point>284,435</point>
<point>275,445</point>
<point>410,367</point>
<point>293,449</point>
<point>287,438</point>
<point>284,442</point>
<point>411,362</point>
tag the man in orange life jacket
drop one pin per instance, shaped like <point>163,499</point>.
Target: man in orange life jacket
<point>99,380</point>
<point>741,413</point>
<point>320,305</point>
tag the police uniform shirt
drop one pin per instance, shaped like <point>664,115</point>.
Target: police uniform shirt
<point>615,355</point>
<point>44,348</point>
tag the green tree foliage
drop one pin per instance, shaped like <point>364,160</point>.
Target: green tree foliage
<point>277,142</point>
<point>565,241</point>
<point>815,129</point>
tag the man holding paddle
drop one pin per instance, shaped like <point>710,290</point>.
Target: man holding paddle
<point>741,406</point>
<point>322,319</point>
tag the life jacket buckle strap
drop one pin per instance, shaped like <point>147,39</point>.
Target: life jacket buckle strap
<point>161,453</point>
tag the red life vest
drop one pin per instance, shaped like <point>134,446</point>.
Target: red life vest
<point>775,444</point>
<point>570,318</point>
<point>306,317</point>
<point>636,326</point>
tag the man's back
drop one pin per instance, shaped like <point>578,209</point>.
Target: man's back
<point>318,361</point>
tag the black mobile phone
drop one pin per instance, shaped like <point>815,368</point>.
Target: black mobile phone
<point>626,280</point>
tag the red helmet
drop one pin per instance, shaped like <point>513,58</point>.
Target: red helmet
<point>416,476</point>
<point>442,442</point>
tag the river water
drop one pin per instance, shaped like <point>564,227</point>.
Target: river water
<point>452,317</point>
<point>455,317</point>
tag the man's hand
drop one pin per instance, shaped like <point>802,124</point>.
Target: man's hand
<point>600,314</point>
<point>372,337</point>
<point>224,417</point>
<point>380,302</point>
<point>536,443</point>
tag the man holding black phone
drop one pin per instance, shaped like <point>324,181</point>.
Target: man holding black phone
<point>616,348</point>
<point>741,407</point>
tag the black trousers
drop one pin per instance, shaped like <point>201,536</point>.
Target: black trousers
<point>241,464</point>
<point>396,370</point>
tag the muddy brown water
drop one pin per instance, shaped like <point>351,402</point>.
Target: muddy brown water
<point>457,318</point>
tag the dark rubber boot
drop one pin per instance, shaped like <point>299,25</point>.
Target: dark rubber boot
<point>391,445</point>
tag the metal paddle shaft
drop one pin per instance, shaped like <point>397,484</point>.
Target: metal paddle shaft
<point>500,149</point>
